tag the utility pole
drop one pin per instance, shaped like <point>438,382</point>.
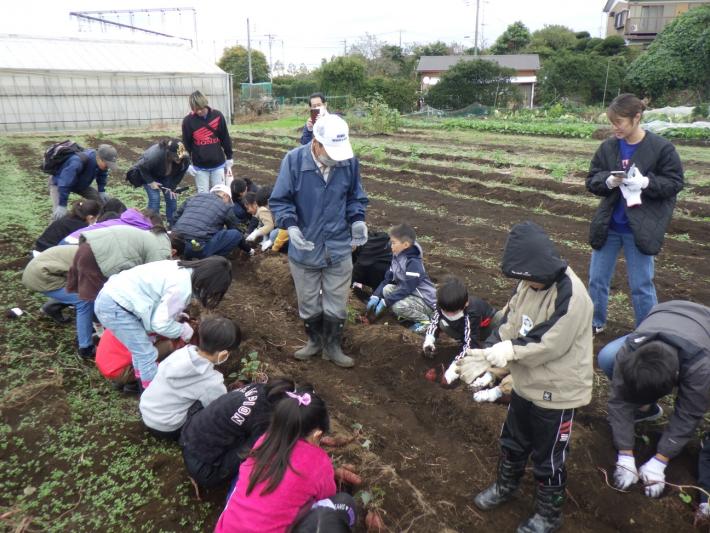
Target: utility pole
<point>475,42</point>
<point>271,37</point>
<point>251,80</point>
<point>400,39</point>
<point>606,82</point>
<point>345,47</point>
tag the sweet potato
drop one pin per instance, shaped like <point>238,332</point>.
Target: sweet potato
<point>336,441</point>
<point>432,375</point>
<point>343,475</point>
<point>374,522</point>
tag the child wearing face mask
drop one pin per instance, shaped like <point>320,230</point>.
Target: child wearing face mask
<point>468,320</point>
<point>188,376</point>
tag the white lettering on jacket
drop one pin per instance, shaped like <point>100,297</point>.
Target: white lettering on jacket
<point>244,410</point>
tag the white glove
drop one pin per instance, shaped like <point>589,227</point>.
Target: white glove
<point>472,365</point>
<point>295,237</point>
<point>452,373</point>
<point>653,476</point>
<point>252,252</point>
<point>191,171</point>
<point>500,353</point>
<point>484,381</point>
<point>635,179</point>
<point>59,212</point>
<point>228,164</point>
<point>429,346</point>
<point>614,180</point>
<point>187,332</point>
<point>266,244</point>
<point>253,235</point>
<point>703,512</point>
<point>183,316</point>
<point>625,474</point>
<point>487,395</point>
<point>358,232</point>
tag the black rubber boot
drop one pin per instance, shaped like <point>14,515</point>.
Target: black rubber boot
<point>53,310</point>
<point>314,331</point>
<point>509,475</point>
<point>548,510</point>
<point>333,336</point>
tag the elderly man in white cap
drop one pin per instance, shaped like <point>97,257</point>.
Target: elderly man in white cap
<point>319,199</point>
<point>209,226</point>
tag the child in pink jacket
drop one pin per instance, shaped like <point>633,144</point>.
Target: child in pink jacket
<point>285,472</point>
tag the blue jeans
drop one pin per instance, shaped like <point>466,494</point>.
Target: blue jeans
<point>84,314</point>
<point>205,179</point>
<point>273,234</point>
<point>607,356</point>
<point>154,202</point>
<point>639,269</point>
<point>221,243</point>
<point>128,329</point>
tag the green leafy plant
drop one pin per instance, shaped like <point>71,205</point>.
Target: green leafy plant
<point>250,367</point>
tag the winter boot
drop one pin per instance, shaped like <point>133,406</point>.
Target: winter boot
<point>548,510</point>
<point>53,310</point>
<point>509,475</point>
<point>314,331</point>
<point>333,336</point>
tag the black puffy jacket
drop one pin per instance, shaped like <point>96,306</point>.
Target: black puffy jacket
<point>152,167</point>
<point>657,159</point>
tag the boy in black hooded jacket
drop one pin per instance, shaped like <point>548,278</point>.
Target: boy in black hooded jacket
<point>545,340</point>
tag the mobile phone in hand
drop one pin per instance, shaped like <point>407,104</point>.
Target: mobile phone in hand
<point>315,112</point>
<point>618,173</point>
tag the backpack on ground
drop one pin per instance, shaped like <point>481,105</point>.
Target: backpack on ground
<point>57,154</point>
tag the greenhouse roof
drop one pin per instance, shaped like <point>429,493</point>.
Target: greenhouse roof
<point>19,52</point>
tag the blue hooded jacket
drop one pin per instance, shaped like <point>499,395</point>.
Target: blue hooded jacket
<point>323,212</point>
<point>76,175</point>
<point>408,274</point>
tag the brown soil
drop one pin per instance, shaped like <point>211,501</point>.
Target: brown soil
<point>429,449</point>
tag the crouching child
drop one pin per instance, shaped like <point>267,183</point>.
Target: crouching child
<point>545,340</point>
<point>188,377</point>
<point>406,288</point>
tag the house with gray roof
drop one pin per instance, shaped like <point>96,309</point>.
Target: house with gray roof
<point>431,68</point>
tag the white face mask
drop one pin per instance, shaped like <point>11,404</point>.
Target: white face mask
<point>327,161</point>
<point>452,317</point>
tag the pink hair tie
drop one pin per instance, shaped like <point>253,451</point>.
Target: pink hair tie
<point>303,399</point>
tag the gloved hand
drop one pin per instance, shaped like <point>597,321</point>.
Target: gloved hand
<point>614,180</point>
<point>472,365</point>
<point>487,395</point>
<point>59,212</point>
<point>187,332</point>
<point>484,381</point>
<point>358,233</point>
<point>253,235</point>
<point>104,197</point>
<point>702,515</point>
<point>252,252</point>
<point>625,474</point>
<point>154,185</point>
<point>266,244</point>
<point>653,471</point>
<point>299,242</point>
<point>381,306</point>
<point>191,171</point>
<point>634,179</point>
<point>182,317</point>
<point>228,170</point>
<point>452,373</point>
<point>500,353</point>
<point>429,346</point>
<point>372,303</point>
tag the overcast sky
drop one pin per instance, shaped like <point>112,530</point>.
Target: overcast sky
<point>305,32</point>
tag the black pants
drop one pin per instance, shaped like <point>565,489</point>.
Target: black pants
<point>215,474</point>
<point>542,433</point>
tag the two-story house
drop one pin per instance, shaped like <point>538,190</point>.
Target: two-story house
<point>639,21</point>
<point>431,68</point>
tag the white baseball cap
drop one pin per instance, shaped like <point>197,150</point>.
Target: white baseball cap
<point>220,187</point>
<point>332,132</point>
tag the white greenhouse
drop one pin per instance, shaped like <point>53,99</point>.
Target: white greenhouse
<point>74,84</point>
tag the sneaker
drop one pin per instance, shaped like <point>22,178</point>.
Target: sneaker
<point>87,353</point>
<point>654,412</point>
<point>419,327</point>
<point>596,330</point>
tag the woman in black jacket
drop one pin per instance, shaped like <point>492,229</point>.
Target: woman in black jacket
<point>638,175</point>
<point>161,167</point>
